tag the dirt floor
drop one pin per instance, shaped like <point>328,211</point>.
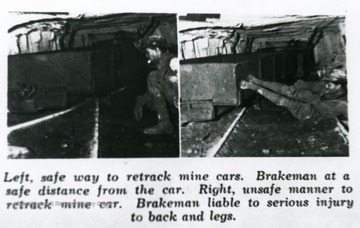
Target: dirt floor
<point>197,138</point>
<point>70,135</point>
<point>109,131</point>
<point>271,131</point>
<point>264,131</point>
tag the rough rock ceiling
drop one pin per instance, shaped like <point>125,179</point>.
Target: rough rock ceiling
<point>37,32</point>
<point>290,27</point>
<point>127,22</point>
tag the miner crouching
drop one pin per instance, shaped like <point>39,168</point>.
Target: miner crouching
<point>162,84</point>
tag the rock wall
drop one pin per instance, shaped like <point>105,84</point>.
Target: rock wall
<point>330,51</point>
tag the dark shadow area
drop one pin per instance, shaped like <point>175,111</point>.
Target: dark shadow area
<point>122,135</point>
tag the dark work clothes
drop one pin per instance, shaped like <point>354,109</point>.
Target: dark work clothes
<point>161,90</point>
<point>159,83</point>
<point>304,100</point>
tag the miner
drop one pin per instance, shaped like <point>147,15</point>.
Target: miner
<point>306,100</point>
<point>162,84</point>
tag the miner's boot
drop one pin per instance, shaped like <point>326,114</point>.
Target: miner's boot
<point>164,125</point>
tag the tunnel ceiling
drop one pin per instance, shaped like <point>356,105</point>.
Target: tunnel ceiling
<point>130,22</point>
<point>235,35</point>
<point>69,31</point>
<point>287,27</point>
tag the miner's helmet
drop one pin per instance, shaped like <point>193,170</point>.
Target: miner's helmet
<point>336,84</point>
<point>153,41</point>
<point>337,75</point>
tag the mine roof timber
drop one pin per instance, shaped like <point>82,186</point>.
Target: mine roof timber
<point>298,27</point>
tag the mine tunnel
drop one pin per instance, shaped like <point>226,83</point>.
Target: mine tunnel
<point>221,119</point>
<point>73,81</point>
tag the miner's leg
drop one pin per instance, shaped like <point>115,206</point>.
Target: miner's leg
<point>288,91</point>
<point>164,125</point>
<point>301,111</point>
<point>274,86</point>
<point>158,104</point>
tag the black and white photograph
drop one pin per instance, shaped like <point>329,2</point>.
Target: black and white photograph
<point>92,85</point>
<point>237,113</point>
<point>263,86</point>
